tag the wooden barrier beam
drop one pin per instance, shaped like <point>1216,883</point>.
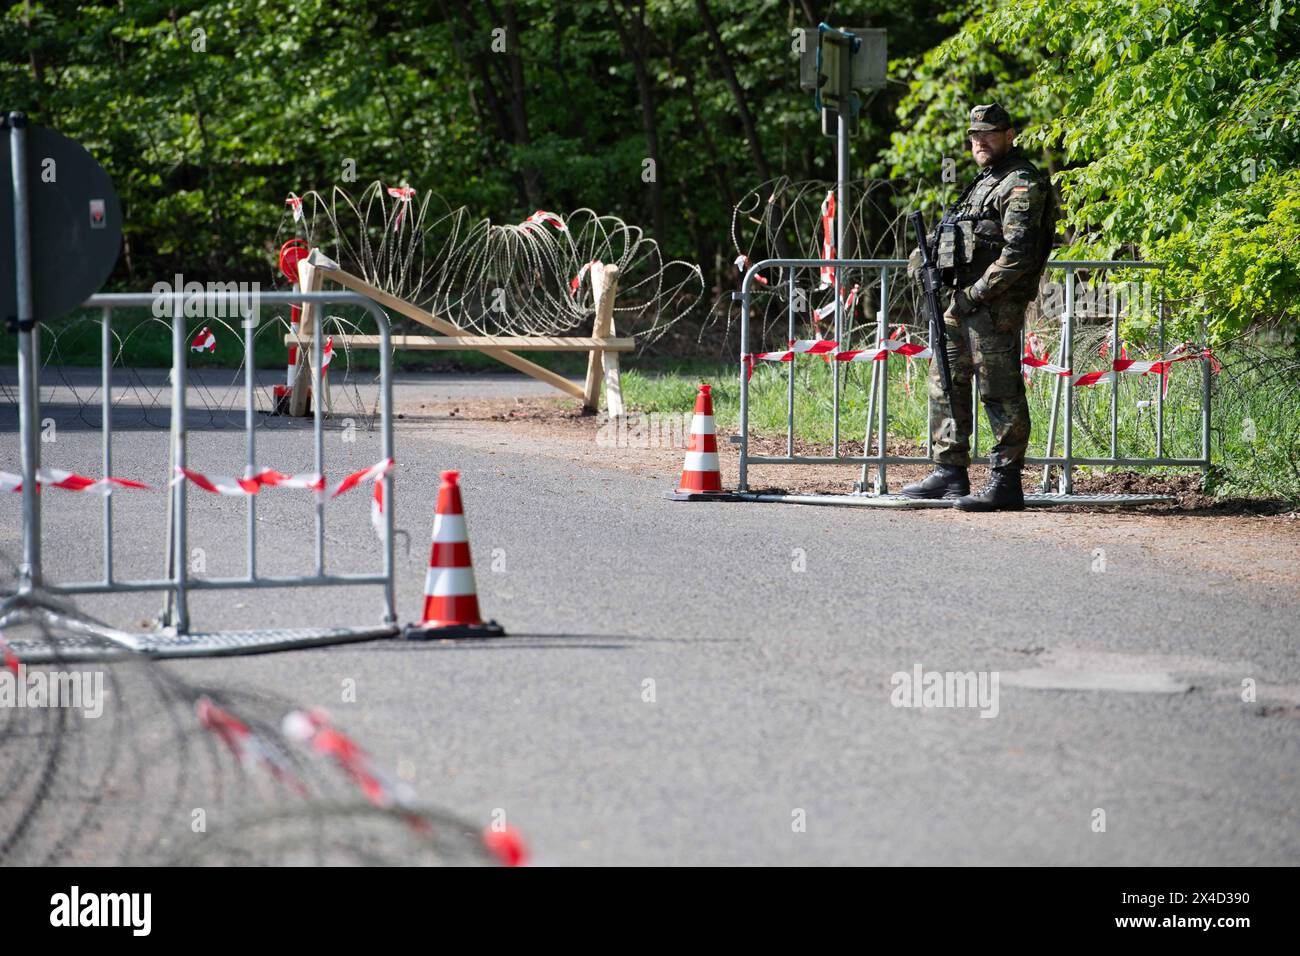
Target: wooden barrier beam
<point>349,281</point>
<point>482,343</point>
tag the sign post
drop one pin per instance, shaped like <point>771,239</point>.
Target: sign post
<point>63,242</point>
<point>25,323</point>
<point>838,66</point>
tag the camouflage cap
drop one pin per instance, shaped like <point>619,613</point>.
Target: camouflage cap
<point>989,117</point>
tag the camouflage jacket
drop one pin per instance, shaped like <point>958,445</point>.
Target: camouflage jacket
<point>1016,220</point>
<point>994,241</point>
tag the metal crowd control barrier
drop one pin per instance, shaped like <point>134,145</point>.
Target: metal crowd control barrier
<point>878,412</point>
<point>176,640</point>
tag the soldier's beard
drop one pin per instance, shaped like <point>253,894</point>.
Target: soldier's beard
<point>991,153</point>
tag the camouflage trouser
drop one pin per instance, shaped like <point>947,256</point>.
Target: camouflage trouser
<point>987,340</point>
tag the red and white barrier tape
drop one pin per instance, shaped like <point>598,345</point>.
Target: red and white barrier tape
<point>373,473</point>
<point>828,239</point>
<point>403,194</point>
<point>904,349</point>
<point>1028,361</point>
<point>248,748</point>
<point>576,281</point>
<point>377,510</point>
<point>506,845</point>
<point>882,351</point>
<point>270,478</point>
<point>57,478</point>
<point>205,341</point>
<point>1104,349</point>
<point>294,202</point>
<point>291,371</point>
<point>828,309</point>
<point>1034,351</point>
<point>797,347</point>
<point>266,478</point>
<point>314,728</point>
<point>219,484</point>
<point>1126,366</point>
<point>541,216</point>
<point>10,658</point>
<point>742,263</point>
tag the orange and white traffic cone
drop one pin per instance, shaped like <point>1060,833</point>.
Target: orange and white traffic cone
<point>450,598</point>
<point>701,479</point>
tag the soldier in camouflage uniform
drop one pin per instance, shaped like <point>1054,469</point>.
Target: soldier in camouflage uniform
<point>992,245</point>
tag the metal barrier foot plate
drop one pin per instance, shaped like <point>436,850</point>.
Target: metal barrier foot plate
<point>1044,500</point>
<point>898,501</point>
<point>161,645</point>
<point>851,500</point>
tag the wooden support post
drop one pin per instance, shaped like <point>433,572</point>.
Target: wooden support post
<point>604,283</point>
<point>309,280</point>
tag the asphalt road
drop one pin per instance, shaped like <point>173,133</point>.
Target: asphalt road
<point>770,633</point>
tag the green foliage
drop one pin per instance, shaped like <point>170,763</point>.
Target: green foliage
<point>1171,127</point>
<point>1176,127</point>
<point>206,133</point>
<point>943,85</point>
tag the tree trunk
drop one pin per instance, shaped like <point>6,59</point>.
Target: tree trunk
<point>513,71</point>
<point>634,48</point>
<point>710,146</point>
<point>207,162</point>
<point>742,108</point>
<point>737,94</point>
<point>495,104</point>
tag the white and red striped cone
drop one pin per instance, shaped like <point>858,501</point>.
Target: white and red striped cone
<point>450,598</point>
<point>701,478</point>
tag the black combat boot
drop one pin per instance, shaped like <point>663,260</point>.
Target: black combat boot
<point>946,481</point>
<point>1002,493</point>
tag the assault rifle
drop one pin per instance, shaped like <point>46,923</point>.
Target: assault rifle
<point>930,285</point>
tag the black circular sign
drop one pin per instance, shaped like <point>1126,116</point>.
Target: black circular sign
<point>75,224</point>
